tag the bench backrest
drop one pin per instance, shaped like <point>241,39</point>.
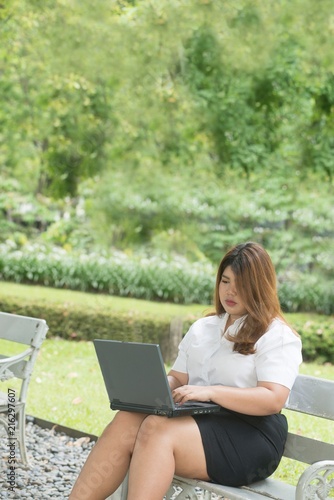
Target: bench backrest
<point>23,330</point>
<point>312,396</point>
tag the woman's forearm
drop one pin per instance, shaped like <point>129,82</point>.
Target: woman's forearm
<point>177,379</point>
<point>264,399</point>
<point>174,383</point>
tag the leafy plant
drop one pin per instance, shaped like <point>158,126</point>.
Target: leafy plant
<point>158,278</point>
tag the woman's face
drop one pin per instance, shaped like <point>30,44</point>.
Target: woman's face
<point>229,297</point>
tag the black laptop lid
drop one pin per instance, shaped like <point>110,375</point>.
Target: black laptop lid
<point>134,373</point>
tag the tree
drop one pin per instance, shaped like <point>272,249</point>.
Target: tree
<point>55,123</point>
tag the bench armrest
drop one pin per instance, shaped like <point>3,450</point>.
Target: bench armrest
<point>13,361</point>
<point>317,481</point>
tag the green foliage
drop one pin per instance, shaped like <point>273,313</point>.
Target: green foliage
<point>86,320</point>
<point>161,279</point>
<point>78,323</point>
<point>173,83</point>
<point>54,125</point>
<point>70,318</point>
<point>317,140</point>
<point>318,340</point>
<point>150,279</point>
<point>181,127</point>
<point>291,221</point>
<point>22,215</point>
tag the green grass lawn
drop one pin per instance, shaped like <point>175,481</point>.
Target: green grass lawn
<point>66,386</point>
<point>99,300</point>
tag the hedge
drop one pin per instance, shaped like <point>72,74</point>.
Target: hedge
<point>81,323</point>
<point>72,322</point>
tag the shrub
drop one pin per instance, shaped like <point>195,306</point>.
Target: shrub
<point>140,277</point>
<point>79,322</point>
<point>317,333</point>
<point>303,293</point>
<point>156,278</point>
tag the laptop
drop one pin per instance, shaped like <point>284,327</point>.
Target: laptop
<point>135,378</point>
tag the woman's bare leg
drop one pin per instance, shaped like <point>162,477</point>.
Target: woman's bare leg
<point>108,462</point>
<point>164,447</point>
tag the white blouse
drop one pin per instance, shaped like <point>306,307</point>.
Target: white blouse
<point>208,358</point>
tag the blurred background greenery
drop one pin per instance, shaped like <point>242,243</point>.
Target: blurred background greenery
<point>165,131</point>
<point>139,140</point>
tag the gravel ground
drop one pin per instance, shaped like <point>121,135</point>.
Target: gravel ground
<point>55,460</point>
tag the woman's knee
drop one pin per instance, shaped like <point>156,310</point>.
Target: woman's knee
<point>124,427</point>
<point>128,418</point>
<point>154,427</point>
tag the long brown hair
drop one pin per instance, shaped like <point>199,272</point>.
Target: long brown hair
<point>255,280</point>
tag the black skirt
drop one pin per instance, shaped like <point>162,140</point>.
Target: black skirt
<point>241,449</point>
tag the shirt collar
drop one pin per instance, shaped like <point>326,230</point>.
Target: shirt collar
<point>232,330</point>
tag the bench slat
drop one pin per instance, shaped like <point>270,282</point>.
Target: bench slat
<point>21,329</point>
<point>308,450</point>
<point>269,488</point>
<point>314,396</point>
<point>273,488</point>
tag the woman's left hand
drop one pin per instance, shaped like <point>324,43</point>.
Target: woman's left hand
<point>191,393</point>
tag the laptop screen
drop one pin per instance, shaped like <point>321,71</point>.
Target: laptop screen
<point>134,373</point>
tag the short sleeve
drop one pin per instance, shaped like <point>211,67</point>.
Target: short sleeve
<point>180,364</point>
<point>278,355</point>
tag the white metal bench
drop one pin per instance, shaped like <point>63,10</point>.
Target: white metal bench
<point>310,395</point>
<point>29,332</point>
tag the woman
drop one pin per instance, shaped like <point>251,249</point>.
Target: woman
<point>243,357</point>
